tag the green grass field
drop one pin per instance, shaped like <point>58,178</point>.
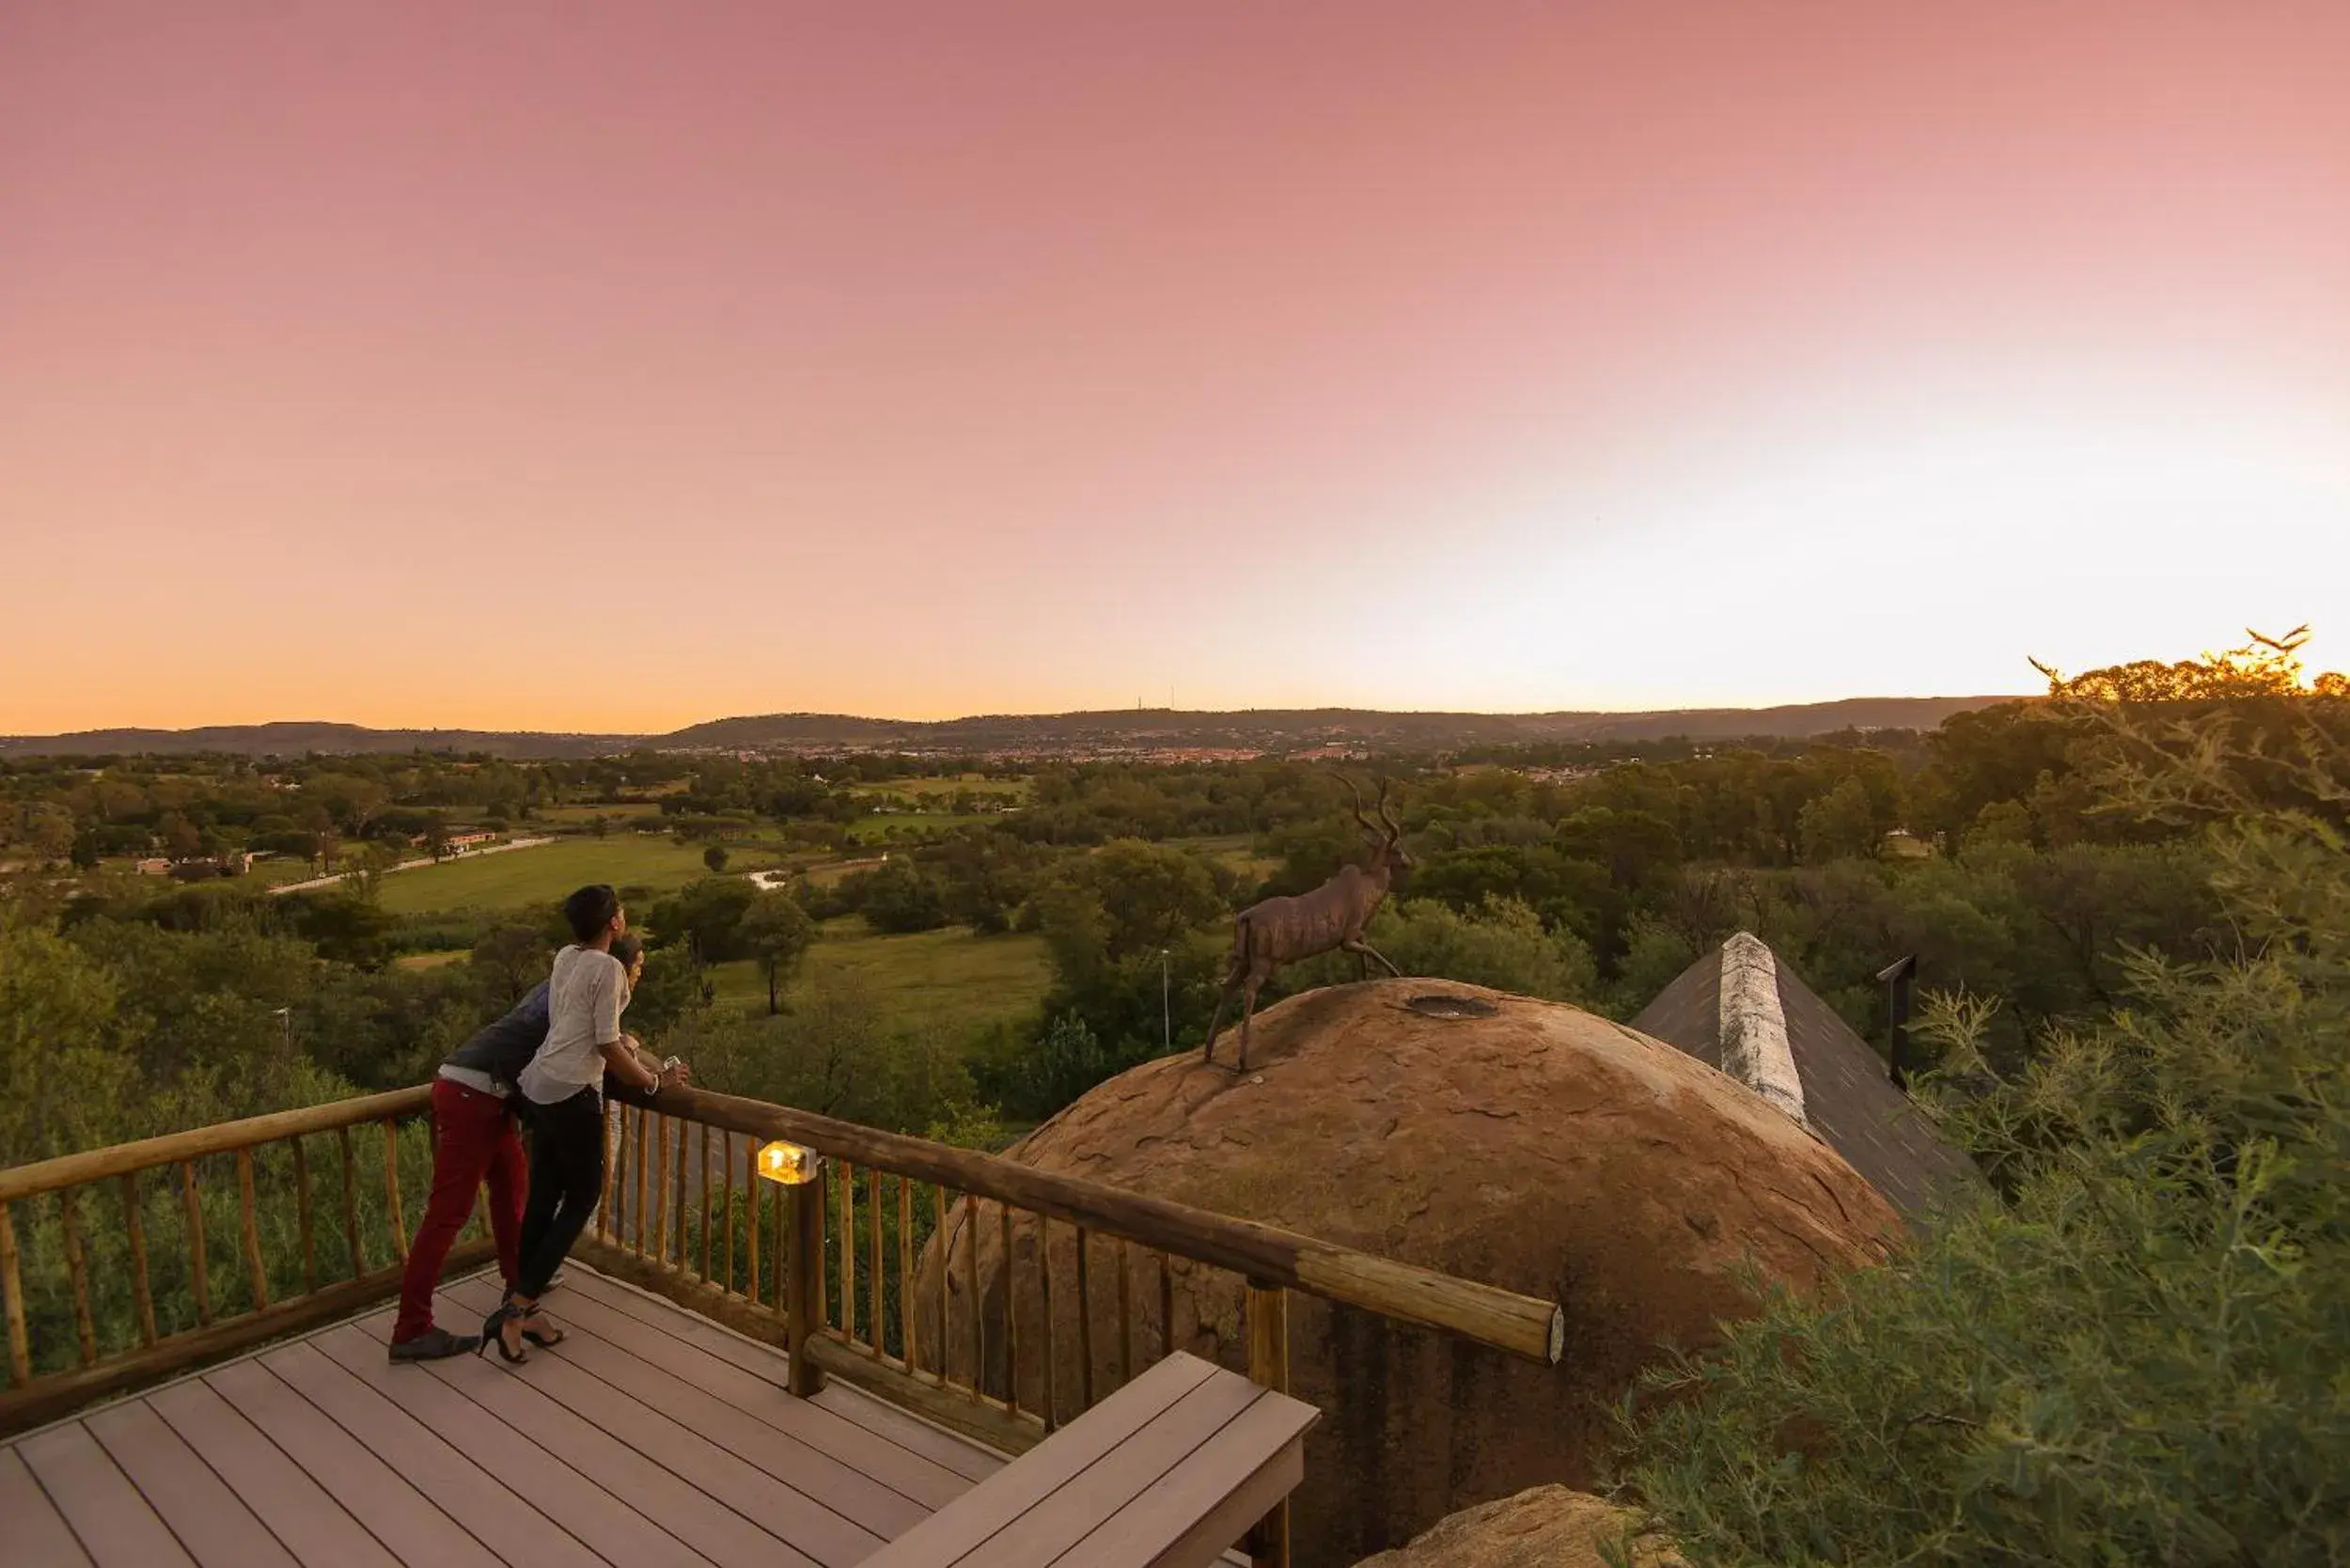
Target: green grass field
<point>949,977</point>
<point>547,872</point>
<point>1235,850</point>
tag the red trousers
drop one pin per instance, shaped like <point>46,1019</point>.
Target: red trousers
<point>473,1138</point>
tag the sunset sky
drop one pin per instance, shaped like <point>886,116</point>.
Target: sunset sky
<point>602,366</point>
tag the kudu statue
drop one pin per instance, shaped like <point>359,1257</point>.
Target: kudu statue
<point>1279,931</point>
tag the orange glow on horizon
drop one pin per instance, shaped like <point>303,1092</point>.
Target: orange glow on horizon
<point>444,367</point>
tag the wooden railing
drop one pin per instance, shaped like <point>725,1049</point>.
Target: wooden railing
<point>947,1281</point>
<point>900,1225</point>
<point>94,1307</point>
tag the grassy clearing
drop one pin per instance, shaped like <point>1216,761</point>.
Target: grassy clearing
<point>427,961</point>
<point>548,872</point>
<point>1235,850</point>
<point>949,977</point>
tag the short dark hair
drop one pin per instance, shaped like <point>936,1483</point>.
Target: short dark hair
<point>626,949</point>
<point>590,910</point>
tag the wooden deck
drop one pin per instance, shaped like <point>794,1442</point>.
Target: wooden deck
<point>651,1436</point>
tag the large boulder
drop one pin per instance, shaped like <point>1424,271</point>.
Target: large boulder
<point>1523,1143</point>
<point>1548,1526</point>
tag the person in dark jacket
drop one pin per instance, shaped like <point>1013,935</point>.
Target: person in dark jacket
<point>473,1107</point>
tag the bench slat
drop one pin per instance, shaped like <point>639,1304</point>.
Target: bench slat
<point>1118,1478</point>
<point>1209,1499</point>
<point>949,1535</point>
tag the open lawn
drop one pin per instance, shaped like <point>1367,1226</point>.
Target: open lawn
<point>546,872</point>
<point>950,977</point>
<point>1235,850</point>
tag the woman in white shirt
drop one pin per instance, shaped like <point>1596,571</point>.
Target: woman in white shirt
<point>564,1087</point>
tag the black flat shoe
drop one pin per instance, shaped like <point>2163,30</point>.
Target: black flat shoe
<point>433,1344</point>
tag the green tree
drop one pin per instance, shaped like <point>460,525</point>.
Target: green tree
<point>715,858</point>
<point>1838,824</point>
<point>2134,1356</point>
<point>778,933</point>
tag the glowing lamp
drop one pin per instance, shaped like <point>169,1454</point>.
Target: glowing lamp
<point>787,1163</point>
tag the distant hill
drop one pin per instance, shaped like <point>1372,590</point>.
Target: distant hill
<point>298,737</point>
<point>1254,728</point>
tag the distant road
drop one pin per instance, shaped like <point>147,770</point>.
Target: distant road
<point>411,865</point>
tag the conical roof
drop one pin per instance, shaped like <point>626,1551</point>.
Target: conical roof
<point>1739,1009</point>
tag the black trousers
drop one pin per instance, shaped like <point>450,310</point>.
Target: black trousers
<point>566,1182</point>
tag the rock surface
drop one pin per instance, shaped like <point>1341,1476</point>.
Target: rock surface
<point>1536,1147</point>
<point>1548,1527</point>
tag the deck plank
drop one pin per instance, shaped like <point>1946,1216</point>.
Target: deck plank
<point>620,1533</point>
<point>703,1522</point>
<point>210,1519</point>
<point>377,1495</point>
<point>38,1537</point>
<point>769,1364</point>
<point>1059,1522</point>
<point>909,1475</point>
<point>492,1511</point>
<point>795,1461</point>
<point>782,1510</point>
<point>651,1436</point>
<point>315,1528</point>
<point>1053,1464</point>
<point>112,1521</point>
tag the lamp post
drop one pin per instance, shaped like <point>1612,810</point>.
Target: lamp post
<point>285,1019</point>
<point>795,1168</point>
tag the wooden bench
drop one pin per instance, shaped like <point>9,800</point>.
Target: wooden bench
<point>1165,1473</point>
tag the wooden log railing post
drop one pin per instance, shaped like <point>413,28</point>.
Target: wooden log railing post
<point>877,1288</point>
<point>249,1227</point>
<point>906,1271</point>
<point>971,1283</point>
<point>848,1250</point>
<point>195,1244</point>
<point>134,1225</point>
<point>302,1206</point>
<point>1011,1314</point>
<point>1269,1365</point>
<point>750,1217</point>
<point>12,1293</point>
<point>1049,1408</point>
<point>729,1214</point>
<point>660,1189</point>
<point>704,1175</point>
<point>391,1189</point>
<point>351,1206</point>
<point>804,1284</point>
<point>644,1126</point>
<point>77,1270</point>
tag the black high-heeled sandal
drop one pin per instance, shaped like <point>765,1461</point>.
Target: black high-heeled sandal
<point>544,1341</point>
<point>494,1332</point>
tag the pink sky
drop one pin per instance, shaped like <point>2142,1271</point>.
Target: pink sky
<point>589,366</point>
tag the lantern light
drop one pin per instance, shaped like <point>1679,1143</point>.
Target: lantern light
<point>791,1163</point>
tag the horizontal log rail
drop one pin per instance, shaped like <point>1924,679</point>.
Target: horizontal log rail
<point>1523,1325</point>
<point>70,1171</point>
<point>124,1265</point>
